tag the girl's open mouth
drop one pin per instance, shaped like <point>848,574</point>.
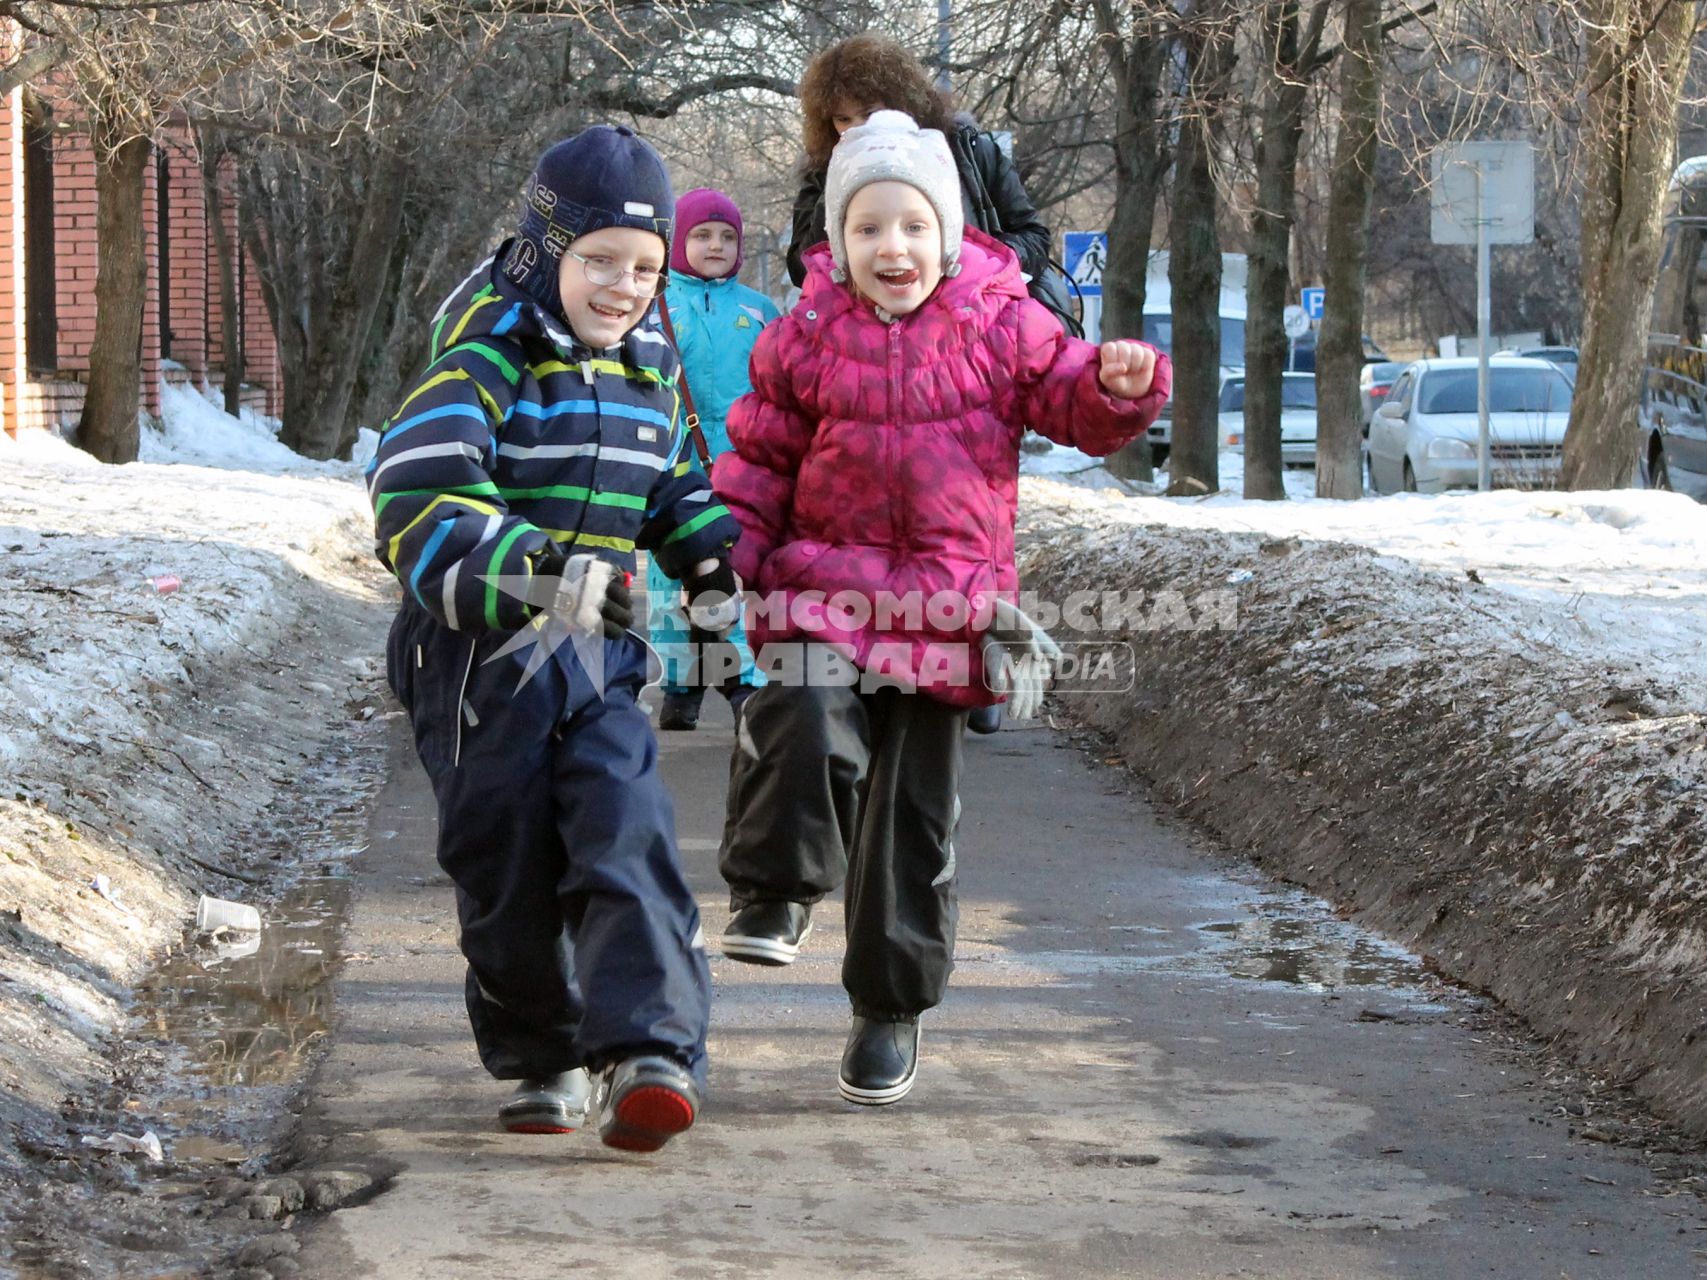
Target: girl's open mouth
<point>610,313</point>
<point>899,279</point>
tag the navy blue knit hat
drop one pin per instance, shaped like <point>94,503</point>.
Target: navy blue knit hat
<point>605,176</point>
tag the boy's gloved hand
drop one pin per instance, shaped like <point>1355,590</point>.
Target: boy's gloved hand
<point>714,597</point>
<point>1019,660</point>
<point>591,594</point>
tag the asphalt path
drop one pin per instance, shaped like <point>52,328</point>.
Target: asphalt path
<point>1151,1063</point>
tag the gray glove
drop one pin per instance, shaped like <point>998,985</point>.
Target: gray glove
<point>1019,660</point>
<point>586,593</point>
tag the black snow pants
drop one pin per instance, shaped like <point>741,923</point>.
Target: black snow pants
<point>582,939</point>
<point>828,782</point>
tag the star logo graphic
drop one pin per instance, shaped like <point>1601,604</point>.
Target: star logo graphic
<point>554,624</point>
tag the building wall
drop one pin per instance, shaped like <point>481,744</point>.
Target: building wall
<point>188,282</point>
<point>11,260</point>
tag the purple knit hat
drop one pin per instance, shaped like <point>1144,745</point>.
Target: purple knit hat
<point>704,204</point>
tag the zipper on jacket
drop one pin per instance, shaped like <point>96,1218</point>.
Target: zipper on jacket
<point>897,499</point>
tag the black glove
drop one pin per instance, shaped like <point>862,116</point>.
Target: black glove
<point>590,593</point>
<point>714,598</point>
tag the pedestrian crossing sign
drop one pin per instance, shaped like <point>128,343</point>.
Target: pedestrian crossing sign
<point>1086,253</point>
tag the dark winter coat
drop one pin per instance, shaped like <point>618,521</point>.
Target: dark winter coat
<point>517,436</point>
<point>990,190</point>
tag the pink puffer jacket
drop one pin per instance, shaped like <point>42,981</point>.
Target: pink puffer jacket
<point>881,461</point>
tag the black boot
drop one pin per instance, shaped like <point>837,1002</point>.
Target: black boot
<point>681,710</point>
<point>880,1061</point>
<point>768,932</point>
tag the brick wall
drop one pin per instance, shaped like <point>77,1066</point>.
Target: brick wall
<point>74,247</point>
<point>187,279</point>
<point>187,282</point>
<point>12,375</point>
<point>225,183</point>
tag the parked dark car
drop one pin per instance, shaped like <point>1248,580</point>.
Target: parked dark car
<point>1373,384</point>
<point>1673,411</point>
<point>1302,358</point>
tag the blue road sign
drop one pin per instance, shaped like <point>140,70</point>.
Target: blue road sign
<point>1087,254</point>
<point>1312,301</point>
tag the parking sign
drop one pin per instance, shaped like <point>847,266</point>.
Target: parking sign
<point>1312,302</point>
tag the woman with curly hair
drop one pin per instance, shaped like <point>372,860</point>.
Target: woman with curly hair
<point>844,84</point>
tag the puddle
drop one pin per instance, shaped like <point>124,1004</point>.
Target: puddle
<point>241,1018</point>
<point>1309,953</point>
<point>1257,933</point>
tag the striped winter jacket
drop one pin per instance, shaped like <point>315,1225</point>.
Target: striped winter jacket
<point>517,435</point>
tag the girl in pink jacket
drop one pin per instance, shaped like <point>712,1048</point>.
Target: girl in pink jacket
<point>875,474</point>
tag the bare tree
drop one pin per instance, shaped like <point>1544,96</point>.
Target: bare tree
<point>1293,56</point>
<point>1194,260</point>
<point>1339,349</point>
<point>1638,52</point>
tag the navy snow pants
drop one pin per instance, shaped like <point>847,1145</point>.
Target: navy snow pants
<point>582,939</point>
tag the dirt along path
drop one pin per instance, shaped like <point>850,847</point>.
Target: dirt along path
<point>1151,1063</point>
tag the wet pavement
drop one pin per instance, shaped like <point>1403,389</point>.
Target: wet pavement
<point>1151,1062</point>
<point>239,1019</point>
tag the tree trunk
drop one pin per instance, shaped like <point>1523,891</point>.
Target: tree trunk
<point>231,372</point>
<point>1629,134</point>
<point>1140,163</point>
<point>1271,235</point>
<point>1194,260</point>
<point>108,428</point>
<point>1339,346</point>
<point>339,334</point>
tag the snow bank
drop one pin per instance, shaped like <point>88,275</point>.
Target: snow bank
<point>189,646</point>
<point>1477,719</point>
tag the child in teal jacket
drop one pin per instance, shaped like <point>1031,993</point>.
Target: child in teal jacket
<point>717,320</point>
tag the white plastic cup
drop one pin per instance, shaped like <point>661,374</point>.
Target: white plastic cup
<point>217,913</point>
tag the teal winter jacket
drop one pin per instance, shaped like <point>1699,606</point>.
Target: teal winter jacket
<point>516,436</point>
<point>716,323</point>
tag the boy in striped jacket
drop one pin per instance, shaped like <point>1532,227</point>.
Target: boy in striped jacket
<point>540,447</point>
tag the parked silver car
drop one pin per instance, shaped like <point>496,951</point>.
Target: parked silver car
<point>1424,439</point>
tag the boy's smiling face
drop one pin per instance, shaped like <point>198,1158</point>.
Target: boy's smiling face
<point>894,246</point>
<point>601,315</point>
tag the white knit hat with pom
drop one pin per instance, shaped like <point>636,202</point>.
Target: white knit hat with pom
<point>890,147</point>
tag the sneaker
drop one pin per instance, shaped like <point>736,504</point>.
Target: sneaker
<point>644,1102</point>
<point>554,1104</point>
<point>680,710</point>
<point>880,1061</point>
<point>985,719</point>
<point>768,932</point>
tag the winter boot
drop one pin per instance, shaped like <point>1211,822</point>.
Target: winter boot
<point>768,932</point>
<point>880,1061</point>
<point>681,710</point>
<point>644,1102</point>
<point>554,1104</point>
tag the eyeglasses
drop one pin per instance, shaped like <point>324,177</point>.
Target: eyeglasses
<point>648,281</point>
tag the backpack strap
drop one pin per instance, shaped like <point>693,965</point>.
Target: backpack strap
<point>694,433</point>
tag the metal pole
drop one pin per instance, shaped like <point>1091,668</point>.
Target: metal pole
<point>944,24</point>
<point>1484,309</point>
